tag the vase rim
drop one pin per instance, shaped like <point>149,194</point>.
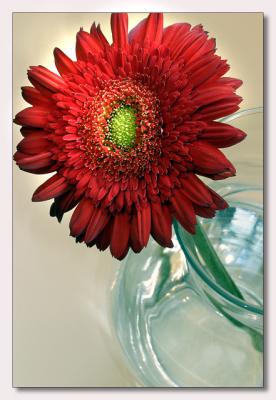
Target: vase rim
<point>242,113</point>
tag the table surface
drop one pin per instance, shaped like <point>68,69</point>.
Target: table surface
<point>62,328</point>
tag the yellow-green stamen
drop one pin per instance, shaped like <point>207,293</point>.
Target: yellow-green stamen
<point>122,127</point>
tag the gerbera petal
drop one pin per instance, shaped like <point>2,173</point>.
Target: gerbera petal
<point>86,44</point>
<point>36,117</point>
<point>42,78</point>
<point>149,30</point>
<point>81,217</point>
<point>101,36</point>
<point>97,34</point>
<point>184,211</point>
<point>208,47</point>
<point>34,143</point>
<point>212,93</point>
<point>34,163</point>
<point>119,27</point>
<point>161,224</point>
<point>98,221</point>
<point>63,63</point>
<point>135,240</point>
<point>222,135</point>
<point>218,109</point>
<point>35,97</point>
<point>207,159</point>
<point>205,212</point>
<point>26,131</point>
<point>120,235</point>
<point>53,187</point>
<point>196,190</point>
<point>173,35</point>
<point>232,82</point>
<point>190,42</point>
<point>220,203</point>
<point>144,224</point>
<point>62,204</point>
<point>103,239</point>
<point>207,68</point>
<point>113,192</point>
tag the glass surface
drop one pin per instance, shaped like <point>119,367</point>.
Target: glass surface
<point>177,326</point>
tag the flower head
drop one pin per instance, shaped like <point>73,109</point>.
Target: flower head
<point>127,128</point>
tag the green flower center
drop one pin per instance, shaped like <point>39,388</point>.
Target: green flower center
<point>122,127</point>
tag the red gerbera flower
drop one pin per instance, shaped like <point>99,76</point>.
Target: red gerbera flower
<point>127,128</point>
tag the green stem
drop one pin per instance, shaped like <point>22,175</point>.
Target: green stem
<point>214,263</point>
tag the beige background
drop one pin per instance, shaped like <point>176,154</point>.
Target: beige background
<point>62,330</point>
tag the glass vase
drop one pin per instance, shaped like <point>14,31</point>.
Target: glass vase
<point>177,325</point>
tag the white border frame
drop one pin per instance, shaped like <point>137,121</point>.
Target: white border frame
<point>6,390</point>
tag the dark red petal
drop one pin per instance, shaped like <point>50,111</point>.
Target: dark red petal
<point>209,47</point>
<point>34,143</point>
<point>184,211</point>
<point>35,97</point>
<point>135,242</point>
<point>86,44</point>
<point>207,159</point>
<point>41,78</point>
<point>97,35</point>
<point>119,27</point>
<point>218,109</point>
<point>154,30</point>
<point>196,190</point>
<point>120,235</point>
<point>53,187</point>
<point>219,176</point>
<point>161,224</point>
<point>102,38</point>
<point>220,203</point>
<point>26,131</point>
<point>144,224</point>
<point>206,69</point>
<point>80,239</point>
<point>174,34</point>
<point>191,47</point>
<point>222,135</point>
<point>232,82</point>
<point>36,117</point>
<point>149,30</point>
<point>62,204</point>
<point>81,217</point>
<point>190,43</point>
<point>113,192</point>
<point>103,239</point>
<point>32,163</point>
<point>63,63</point>
<point>98,221</point>
<point>206,212</point>
<point>211,94</point>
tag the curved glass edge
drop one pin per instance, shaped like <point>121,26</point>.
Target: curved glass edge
<point>233,299</point>
<point>242,113</point>
<point>233,188</point>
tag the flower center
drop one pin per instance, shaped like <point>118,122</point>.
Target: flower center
<point>122,127</point>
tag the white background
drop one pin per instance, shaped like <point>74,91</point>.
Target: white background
<point>5,241</point>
